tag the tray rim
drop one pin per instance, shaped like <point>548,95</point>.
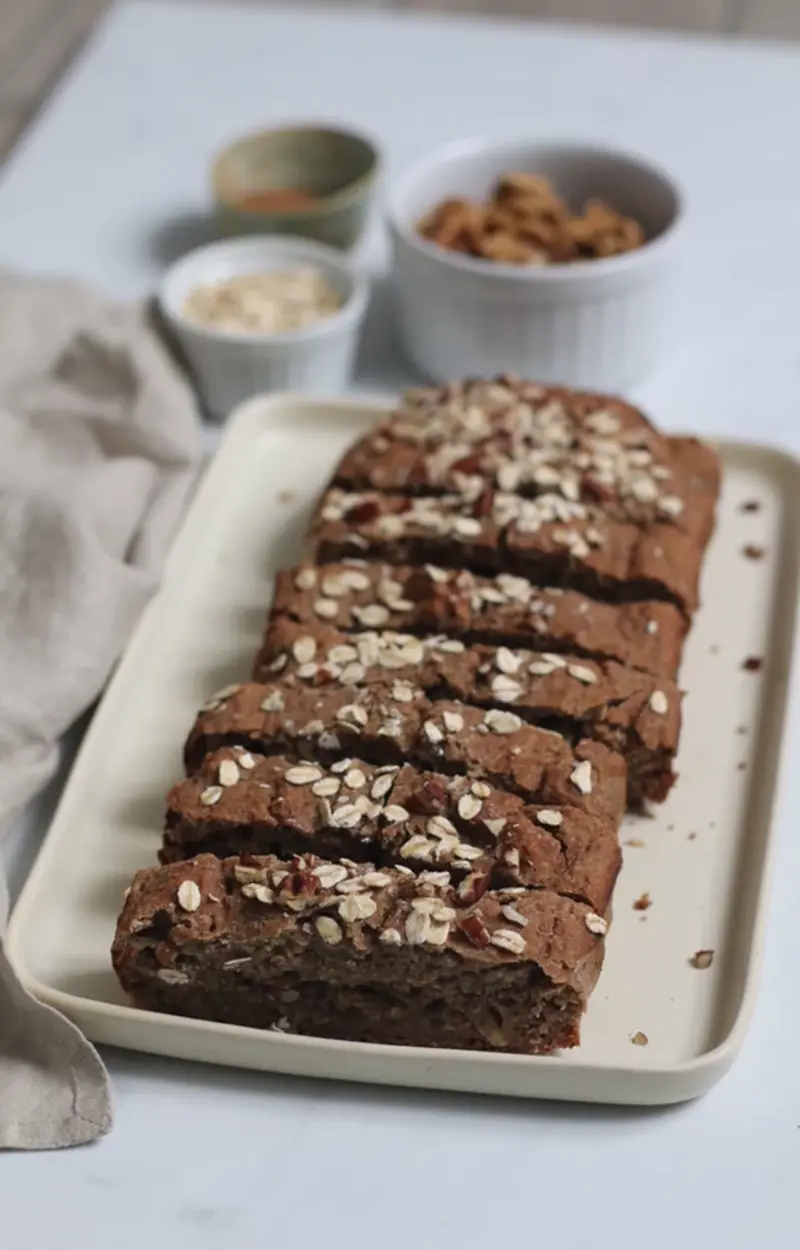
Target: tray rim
<point>648,1083</point>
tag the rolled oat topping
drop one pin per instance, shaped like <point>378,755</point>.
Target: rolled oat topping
<point>394,812</point>
<point>356,907</point>
<point>303,775</point>
<point>245,874</point>
<point>347,816</point>
<point>273,702</point>
<point>496,826</point>
<point>189,896</point>
<point>328,929</point>
<point>549,818</point>
<point>508,940</point>
<point>502,722</point>
<point>261,893</point>
<point>516,917</point>
<point>596,924</point>
<point>468,807</point>
<point>327,788</point>
<point>330,875</point>
<point>325,608</point>
<point>304,649</point>
<point>581,777</point>
<point>228,773</point>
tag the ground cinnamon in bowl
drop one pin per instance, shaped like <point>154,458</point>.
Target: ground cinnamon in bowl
<point>277,200</point>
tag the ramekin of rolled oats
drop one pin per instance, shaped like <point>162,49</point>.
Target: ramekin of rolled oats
<point>273,302</point>
<point>264,313</point>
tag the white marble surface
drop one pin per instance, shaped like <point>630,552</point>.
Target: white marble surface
<point>109,185</point>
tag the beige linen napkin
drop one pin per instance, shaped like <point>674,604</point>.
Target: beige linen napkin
<point>99,443</point>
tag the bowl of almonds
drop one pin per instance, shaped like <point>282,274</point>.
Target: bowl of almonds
<point>554,260</point>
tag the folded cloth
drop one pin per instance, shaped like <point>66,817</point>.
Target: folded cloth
<point>99,445</point>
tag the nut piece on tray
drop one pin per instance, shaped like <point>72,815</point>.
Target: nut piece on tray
<point>504,610</point>
<point>530,440</point>
<point>391,725</point>
<point>340,950</point>
<point>243,803</point>
<point>548,539</point>
<point>632,712</point>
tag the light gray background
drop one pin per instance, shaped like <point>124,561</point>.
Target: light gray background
<point>112,182</point>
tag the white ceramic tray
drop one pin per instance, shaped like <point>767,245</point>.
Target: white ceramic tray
<point>703,858</point>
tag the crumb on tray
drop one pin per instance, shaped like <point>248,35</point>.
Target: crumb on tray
<point>702,959</point>
<point>642,902</point>
<point>639,1038</point>
<point>753,664</point>
<point>752,552</point>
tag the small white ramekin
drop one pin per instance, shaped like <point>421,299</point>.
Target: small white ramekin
<point>598,323</point>
<point>230,366</point>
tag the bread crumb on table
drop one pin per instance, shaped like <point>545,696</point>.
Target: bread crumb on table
<point>640,1039</point>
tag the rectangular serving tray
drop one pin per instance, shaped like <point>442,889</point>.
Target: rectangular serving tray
<point>703,857</point>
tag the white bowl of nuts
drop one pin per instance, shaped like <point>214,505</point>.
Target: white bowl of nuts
<point>552,261</point>
<point>264,313</point>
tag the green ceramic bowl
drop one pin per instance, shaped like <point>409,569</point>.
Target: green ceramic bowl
<point>338,168</point>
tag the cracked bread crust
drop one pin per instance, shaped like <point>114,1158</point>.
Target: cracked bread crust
<point>633,712</point>
<point>505,610</point>
<point>588,448</point>
<point>547,539</point>
<point>370,723</point>
<point>335,950</point>
<point>238,802</point>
